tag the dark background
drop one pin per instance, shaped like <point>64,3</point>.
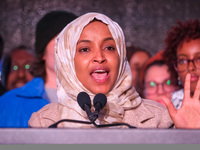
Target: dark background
<point>145,22</point>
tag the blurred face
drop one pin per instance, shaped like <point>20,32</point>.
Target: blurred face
<point>136,63</point>
<point>19,74</point>
<point>96,59</point>
<point>157,83</point>
<point>188,51</point>
<point>49,56</point>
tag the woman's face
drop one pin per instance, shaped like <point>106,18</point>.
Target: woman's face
<point>157,83</point>
<point>137,61</point>
<point>96,59</point>
<point>189,50</point>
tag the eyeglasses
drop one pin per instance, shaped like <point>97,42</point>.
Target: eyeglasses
<point>15,68</point>
<point>152,86</point>
<point>182,63</point>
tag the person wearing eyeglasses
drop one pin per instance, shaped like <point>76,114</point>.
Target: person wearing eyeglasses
<point>155,80</point>
<point>16,67</point>
<point>182,54</point>
<point>17,105</point>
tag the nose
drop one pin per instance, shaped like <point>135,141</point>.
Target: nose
<point>99,56</point>
<point>21,72</point>
<point>160,89</point>
<point>191,66</point>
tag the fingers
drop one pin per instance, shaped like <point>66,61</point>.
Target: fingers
<point>172,110</point>
<point>197,90</point>
<point>187,86</point>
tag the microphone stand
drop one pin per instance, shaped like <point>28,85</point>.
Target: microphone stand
<point>87,122</point>
<point>112,125</point>
<point>68,120</point>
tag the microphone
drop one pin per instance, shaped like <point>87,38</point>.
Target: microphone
<point>85,103</point>
<point>99,102</point>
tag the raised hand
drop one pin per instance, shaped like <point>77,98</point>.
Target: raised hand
<point>188,116</point>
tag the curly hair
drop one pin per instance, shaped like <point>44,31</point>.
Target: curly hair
<point>176,36</point>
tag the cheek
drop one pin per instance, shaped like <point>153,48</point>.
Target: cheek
<point>134,73</point>
<point>11,76</point>
<point>182,77</point>
<point>116,65</point>
<point>29,76</point>
<point>80,67</point>
<point>150,97</point>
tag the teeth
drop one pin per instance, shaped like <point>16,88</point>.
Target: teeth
<point>97,71</point>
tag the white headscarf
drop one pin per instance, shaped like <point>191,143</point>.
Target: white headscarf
<point>122,97</point>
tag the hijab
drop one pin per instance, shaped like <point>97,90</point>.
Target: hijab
<point>122,97</point>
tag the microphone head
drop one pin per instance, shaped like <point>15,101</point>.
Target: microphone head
<point>101,99</point>
<point>83,99</point>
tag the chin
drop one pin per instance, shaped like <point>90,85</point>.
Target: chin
<point>103,91</point>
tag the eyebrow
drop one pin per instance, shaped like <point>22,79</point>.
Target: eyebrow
<point>82,41</point>
<point>198,53</point>
<point>88,41</point>
<point>109,38</point>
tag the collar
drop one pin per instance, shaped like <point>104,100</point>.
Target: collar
<point>34,88</point>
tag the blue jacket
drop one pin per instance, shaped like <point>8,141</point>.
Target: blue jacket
<point>16,106</point>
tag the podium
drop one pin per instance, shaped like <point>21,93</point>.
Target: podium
<point>98,136</point>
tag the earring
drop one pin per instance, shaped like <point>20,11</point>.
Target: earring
<point>179,81</point>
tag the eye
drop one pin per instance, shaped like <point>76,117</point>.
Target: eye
<point>168,82</point>
<point>84,50</point>
<point>15,67</point>
<point>27,66</point>
<point>182,61</point>
<point>152,84</point>
<point>110,48</point>
<point>197,59</point>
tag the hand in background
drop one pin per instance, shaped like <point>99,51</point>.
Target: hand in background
<point>188,116</point>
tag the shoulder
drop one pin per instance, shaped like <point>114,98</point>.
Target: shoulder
<point>31,91</point>
<point>149,114</point>
<point>46,116</point>
<point>152,104</point>
<point>152,108</point>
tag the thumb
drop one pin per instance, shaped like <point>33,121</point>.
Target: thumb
<point>171,109</point>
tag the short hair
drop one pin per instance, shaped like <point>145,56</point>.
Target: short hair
<point>176,36</point>
<point>131,50</point>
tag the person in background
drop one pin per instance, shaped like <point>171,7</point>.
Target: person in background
<point>2,88</point>
<point>182,54</point>
<point>155,79</point>
<point>16,67</point>
<point>90,56</point>
<point>16,106</point>
<point>137,57</point>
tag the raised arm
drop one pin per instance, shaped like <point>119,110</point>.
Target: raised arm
<point>188,116</point>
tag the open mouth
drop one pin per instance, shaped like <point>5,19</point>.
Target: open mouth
<point>99,75</point>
